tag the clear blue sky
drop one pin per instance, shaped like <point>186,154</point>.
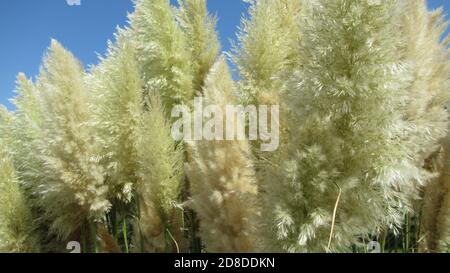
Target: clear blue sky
<point>26,28</point>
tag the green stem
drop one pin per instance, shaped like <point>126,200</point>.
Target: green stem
<point>93,229</point>
<point>84,243</point>
<point>174,241</point>
<point>125,236</point>
<point>383,238</point>
<point>406,235</point>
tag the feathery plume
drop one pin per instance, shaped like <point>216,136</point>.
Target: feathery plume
<point>267,48</point>
<point>200,30</point>
<point>222,177</point>
<point>160,174</point>
<point>118,94</point>
<point>73,193</point>
<point>17,228</point>
<point>140,155</point>
<point>435,218</point>
<point>26,129</point>
<point>345,169</point>
<point>429,91</point>
<point>429,94</point>
<point>162,51</point>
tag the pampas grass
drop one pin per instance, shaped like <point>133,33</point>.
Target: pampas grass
<point>223,184</point>
<point>88,154</point>
<point>18,231</point>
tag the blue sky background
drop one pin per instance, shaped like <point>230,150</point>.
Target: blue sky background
<point>26,27</point>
